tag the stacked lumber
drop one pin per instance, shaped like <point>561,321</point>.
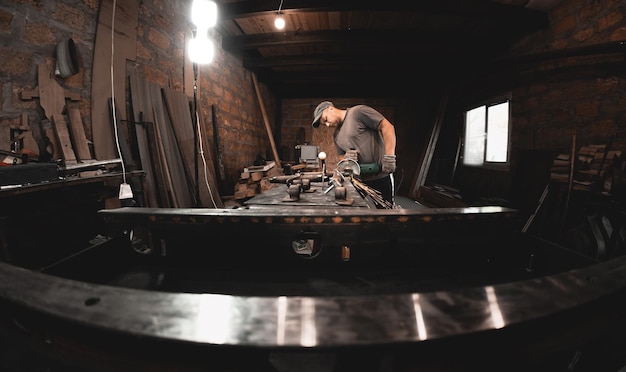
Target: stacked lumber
<point>163,129</point>
<point>255,180</point>
<point>595,160</point>
<point>590,166</point>
<point>560,167</point>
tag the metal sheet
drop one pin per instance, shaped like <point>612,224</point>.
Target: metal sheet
<point>295,321</point>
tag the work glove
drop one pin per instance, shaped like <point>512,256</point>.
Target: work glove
<point>389,164</point>
<point>352,154</point>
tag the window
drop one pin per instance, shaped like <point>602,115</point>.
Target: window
<point>487,135</point>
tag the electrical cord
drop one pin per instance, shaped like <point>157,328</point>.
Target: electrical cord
<point>201,151</point>
<point>124,189</point>
<point>117,142</point>
<point>200,147</point>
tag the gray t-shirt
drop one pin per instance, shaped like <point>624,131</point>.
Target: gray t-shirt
<point>360,131</point>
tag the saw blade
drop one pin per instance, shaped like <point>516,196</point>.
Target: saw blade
<point>349,165</point>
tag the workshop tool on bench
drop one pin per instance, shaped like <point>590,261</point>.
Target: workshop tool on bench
<point>341,196</point>
<point>369,168</point>
<point>336,181</point>
<point>345,168</point>
<point>322,157</point>
<point>305,184</point>
<point>312,177</point>
<point>341,192</point>
<point>297,184</point>
<point>348,167</point>
<point>293,193</point>
<point>354,170</point>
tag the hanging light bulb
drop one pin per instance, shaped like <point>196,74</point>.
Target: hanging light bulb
<point>204,13</point>
<point>279,22</point>
<point>204,16</point>
<point>201,49</point>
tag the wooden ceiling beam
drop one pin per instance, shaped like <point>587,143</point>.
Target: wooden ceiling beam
<point>255,8</point>
<point>414,38</point>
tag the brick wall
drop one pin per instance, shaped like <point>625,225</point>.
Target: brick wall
<point>554,97</point>
<point>30,31</point>
<point>585,94</point>
<point>560,96</point>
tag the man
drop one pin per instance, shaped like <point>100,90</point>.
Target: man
<point>366,136</point>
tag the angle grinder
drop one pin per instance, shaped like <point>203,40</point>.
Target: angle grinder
<point>351,166</point>
<point>370,168</point>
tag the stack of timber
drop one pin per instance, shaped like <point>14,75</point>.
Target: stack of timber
<point>157,134</point>
<point>590,167</point>
<point>166,141</point>
<point>122,17</point>
<point>560,168</point>
<point>595,161</point>
<point>255,179</point>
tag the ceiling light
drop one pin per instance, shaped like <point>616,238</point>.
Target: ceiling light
<point>201,49</point>
<point>279,22</point>
<point>204,13</point>
<point>204,16</point>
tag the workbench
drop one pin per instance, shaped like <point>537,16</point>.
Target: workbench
<point>60,214</point>
<point>315,196</point>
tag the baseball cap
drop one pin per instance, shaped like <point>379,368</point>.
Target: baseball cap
<point>317,114</point>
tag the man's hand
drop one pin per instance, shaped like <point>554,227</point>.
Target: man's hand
<point>352,154</point>
<point>389,164</point>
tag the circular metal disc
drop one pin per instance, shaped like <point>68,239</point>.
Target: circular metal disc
<point>349,164</point>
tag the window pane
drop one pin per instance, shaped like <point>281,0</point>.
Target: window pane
<point>474,149</point>
<point>497,132</point>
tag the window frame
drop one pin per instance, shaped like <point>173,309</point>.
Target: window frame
<point>494,101</point>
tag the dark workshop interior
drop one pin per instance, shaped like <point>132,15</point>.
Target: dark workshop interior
<point>167,205</point>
